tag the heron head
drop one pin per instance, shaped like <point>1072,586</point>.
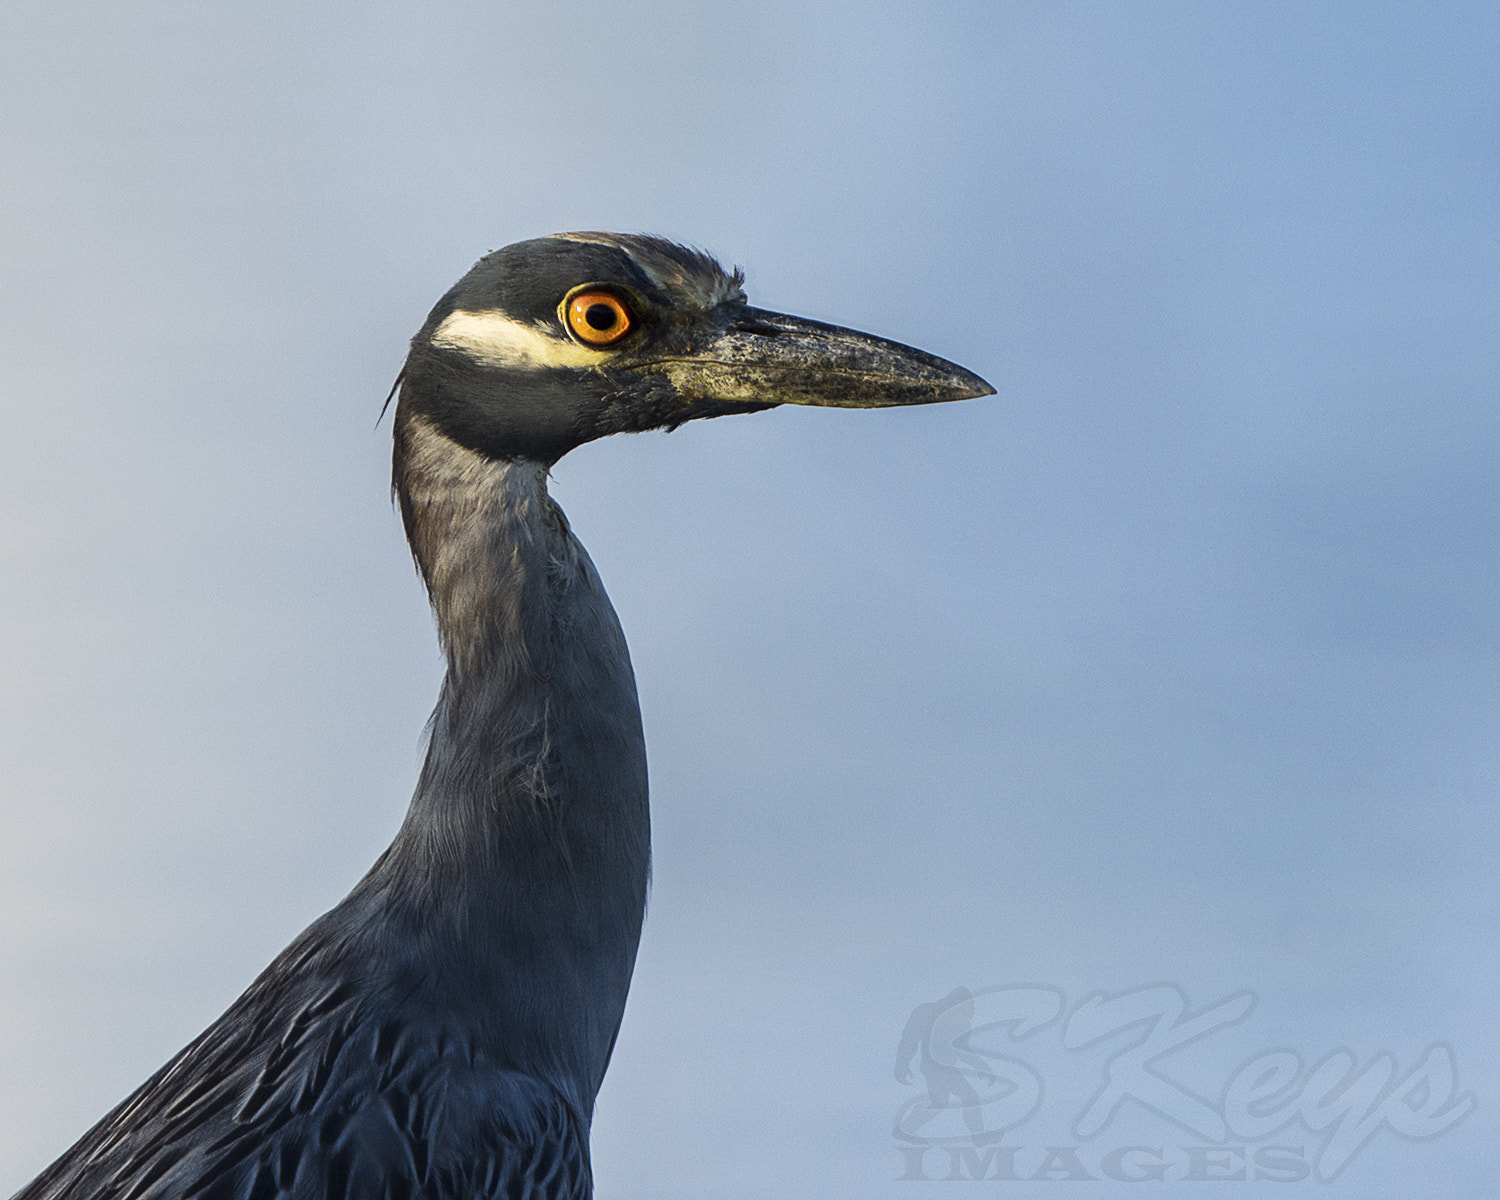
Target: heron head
<point>553,342</point>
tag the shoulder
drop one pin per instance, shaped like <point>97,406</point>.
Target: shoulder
<point>305,1090</point>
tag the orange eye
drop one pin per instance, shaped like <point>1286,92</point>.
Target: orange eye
<point>598,318</point>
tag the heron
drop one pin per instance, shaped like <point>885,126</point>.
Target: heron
<point>443,1031</point>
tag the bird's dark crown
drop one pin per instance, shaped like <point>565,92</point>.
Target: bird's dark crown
<point>527,281</point>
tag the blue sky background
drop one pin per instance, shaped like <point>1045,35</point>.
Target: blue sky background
<point>1175,662</point>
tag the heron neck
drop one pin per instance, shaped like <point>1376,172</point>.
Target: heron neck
<point>525,854</point>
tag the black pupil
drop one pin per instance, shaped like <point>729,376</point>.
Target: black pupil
<point>600,317</point>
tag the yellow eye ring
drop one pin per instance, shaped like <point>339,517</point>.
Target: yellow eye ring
<point>598,318</point>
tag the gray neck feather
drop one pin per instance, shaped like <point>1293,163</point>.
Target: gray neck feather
<point>519,876</point>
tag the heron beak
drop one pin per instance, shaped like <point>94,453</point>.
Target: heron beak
<point>760,357</point>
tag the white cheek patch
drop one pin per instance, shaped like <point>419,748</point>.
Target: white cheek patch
<point>496,340</point>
